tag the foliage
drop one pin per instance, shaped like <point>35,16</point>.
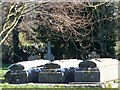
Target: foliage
<point>13,14</point>
<point>118,20</point>
<point>84,25</point>
<point>117,48</point>
<point>104,29</point>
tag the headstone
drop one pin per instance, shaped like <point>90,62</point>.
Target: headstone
<point>51,66</point>
<point>32,57</point>
<point>48,55</point>
<point>87,72</point>
<point>87,64</point>
<point>93,54</point>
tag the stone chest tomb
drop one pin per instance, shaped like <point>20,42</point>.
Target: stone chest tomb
<point>64,71</point>
<point>59,71</point>
<point>24,72</point>
<point>97,70</point>
<point>87,72</point>
<point>51,74</point>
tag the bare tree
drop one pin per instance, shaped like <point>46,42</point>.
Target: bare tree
<point>74,22</point>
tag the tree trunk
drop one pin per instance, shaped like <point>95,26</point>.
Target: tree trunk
<point>0,38</point>
<point>16,45</point>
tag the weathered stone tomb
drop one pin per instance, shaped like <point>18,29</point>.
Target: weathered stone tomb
<point>24,72</point>
<point>98,70</point>
<point>59,71</point>
<point>65,71</point>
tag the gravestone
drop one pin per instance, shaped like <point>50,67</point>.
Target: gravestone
<point>59,71</point>
<point>87,72</point>
<point>97,70</point>
<point>48,55</point>
<point>32,57</point>
<point>51,66</point>
<point>17,77</point>
<point>94,55</point>
<point>24,72</point>
<point>52,74</point>
<point>23,76</point>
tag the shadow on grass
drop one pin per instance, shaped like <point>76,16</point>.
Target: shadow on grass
<point>5,66</point>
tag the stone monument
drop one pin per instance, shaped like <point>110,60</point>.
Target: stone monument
<point>52,74</point>
<point>48,55</point>
<point>93,54</point>
<point>24,72</point>
<point>32,57</point>
<point>98,70</point>
<point>59,71</point>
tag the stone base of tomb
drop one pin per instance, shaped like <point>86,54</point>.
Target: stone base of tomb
<point>17,77</point>
<point>87,76</point>
<point>51,77</point>
<point>69,75</point>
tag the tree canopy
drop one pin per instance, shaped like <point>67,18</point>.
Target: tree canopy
<point>84,26</point>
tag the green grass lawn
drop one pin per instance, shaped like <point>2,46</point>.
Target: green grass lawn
<point>3,70</point>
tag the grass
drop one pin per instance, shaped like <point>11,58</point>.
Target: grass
<point>6,85</point>
<point>2,72</point>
